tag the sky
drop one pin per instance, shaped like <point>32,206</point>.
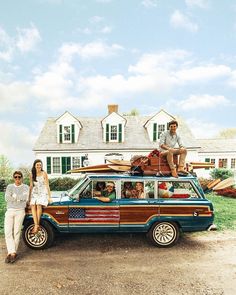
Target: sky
<point>81,55</point>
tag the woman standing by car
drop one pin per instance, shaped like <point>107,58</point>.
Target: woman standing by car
<point>40,194</point>
<point>16,196</point>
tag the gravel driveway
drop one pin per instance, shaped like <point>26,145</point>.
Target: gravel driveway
<point>201,263</point>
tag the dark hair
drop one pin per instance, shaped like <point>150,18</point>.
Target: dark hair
<point>17,172</point>
<point>172,123</point>
<point>33,170</point>
<point>100,185</point>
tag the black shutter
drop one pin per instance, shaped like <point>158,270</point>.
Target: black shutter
<point>107,132</point>
<point>60,133</point>
<point>49,169</point>
<point>155,132</point>
<point>120,132</point>
<point>73,133</point>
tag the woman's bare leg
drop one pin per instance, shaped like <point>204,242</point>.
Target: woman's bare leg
<point>35,217</point>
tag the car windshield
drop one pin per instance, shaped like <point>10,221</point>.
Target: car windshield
<point>81,180</point>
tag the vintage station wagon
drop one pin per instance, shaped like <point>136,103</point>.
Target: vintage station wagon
<point>161,207</point>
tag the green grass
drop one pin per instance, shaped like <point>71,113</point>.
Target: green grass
<point>225,211</point>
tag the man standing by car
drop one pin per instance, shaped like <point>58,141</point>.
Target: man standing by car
<point>168,141</point>
<point>16,196</point>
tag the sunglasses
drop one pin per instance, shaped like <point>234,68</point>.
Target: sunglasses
<point>17,177</point>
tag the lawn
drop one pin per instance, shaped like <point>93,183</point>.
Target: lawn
<point>225,211</point>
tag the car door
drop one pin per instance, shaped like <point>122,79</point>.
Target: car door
<point>136,212</point>
<point>88,214</point>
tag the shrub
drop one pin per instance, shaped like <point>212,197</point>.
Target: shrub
<point>3,185</point>
<point>221,173</point>
<point>62,184</point>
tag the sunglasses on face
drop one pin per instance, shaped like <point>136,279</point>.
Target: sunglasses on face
<point>17,177</point>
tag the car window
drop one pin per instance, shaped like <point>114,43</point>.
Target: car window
<point>87,192</point>
<point>176,189</point>
<point>137,189</point>
<point>149,189</point>
<point>104,188</point>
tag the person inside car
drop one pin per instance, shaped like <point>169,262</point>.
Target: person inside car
<point>100,187</point>
<point>109,194</point>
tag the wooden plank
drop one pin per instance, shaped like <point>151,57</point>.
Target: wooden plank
<point>224,183</point>
<point>120,162</point>
<point>120,168</point>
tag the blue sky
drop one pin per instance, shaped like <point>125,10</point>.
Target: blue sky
<point>81,55</point>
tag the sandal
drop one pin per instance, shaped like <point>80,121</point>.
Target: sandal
<point>35,229</point>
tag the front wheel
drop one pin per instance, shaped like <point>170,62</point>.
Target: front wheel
<point>164,234</point>
<point>43,239</point>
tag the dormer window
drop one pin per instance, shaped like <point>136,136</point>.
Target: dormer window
<point>67,133</point>
<point>113,133</point>
<point>157,130</point>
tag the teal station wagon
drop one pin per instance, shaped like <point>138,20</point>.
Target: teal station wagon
<point>161,207</point>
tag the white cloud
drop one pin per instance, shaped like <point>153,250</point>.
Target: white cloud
<point>52,88</point>
<point>17,143</point>
<point>204,101</point>
<point>149,3</point>
<point>149,63</point>
<point>13,96</point>
<point>106,30</point>
<point>88,51</point>
<point>202,129</point>
<point>27,38</point>
<point>204,73</point>
<point>232,80</point>
<point>179,20</point>
<point>198,3</point>
<point>95,19</point>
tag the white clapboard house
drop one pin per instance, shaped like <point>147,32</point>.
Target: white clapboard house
<point>71,141</point>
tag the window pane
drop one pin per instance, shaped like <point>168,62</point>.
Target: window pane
<point>173,190</point>
<point>161,128</point>
<point>67,133</point>
<point>149,189</point>
<point>233,161</point>
<point>132,190</point>
<point>222,163</point>
<point>113,132</point>
<point>56,165</point>
<point>75,162</point>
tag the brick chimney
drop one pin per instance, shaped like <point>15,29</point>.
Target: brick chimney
<point>112,108</point>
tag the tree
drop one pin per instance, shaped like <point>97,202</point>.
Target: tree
<point>26,170</point>
<point>133,112</point>
<point>227,133</point>
<point>6,169</point>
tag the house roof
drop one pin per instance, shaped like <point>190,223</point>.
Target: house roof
<point>217,145</point>
<point>91,136</point>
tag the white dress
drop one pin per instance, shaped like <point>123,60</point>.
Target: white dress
<point>39,194</point>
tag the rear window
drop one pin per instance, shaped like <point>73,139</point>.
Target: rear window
<point>176,190</point>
